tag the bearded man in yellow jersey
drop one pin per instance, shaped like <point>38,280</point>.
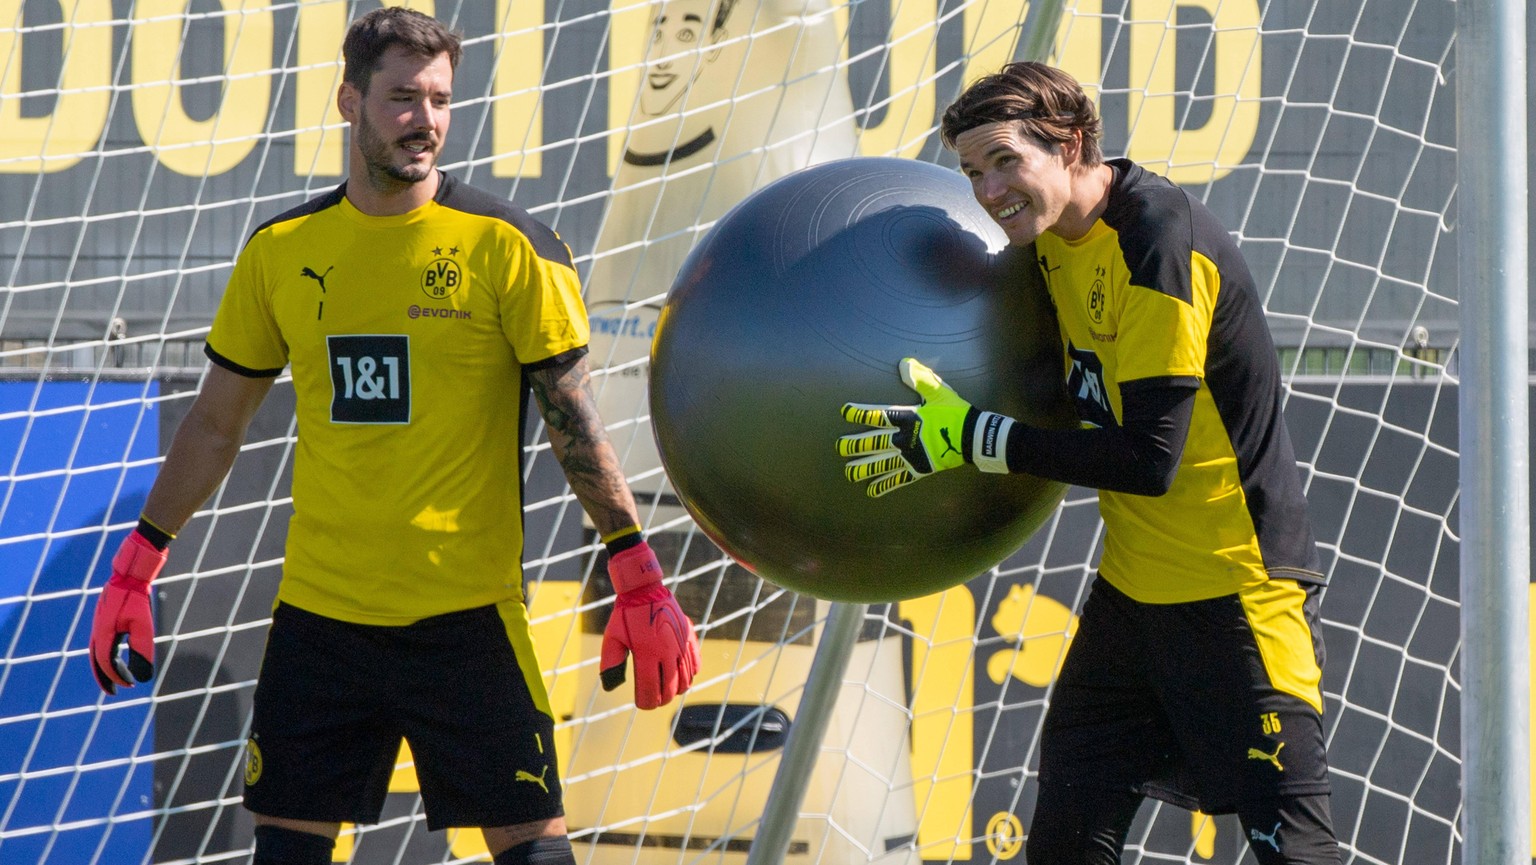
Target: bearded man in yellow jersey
<point>416,314</point>
<point>1195,673</point>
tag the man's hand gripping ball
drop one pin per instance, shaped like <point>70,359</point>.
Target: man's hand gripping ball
<point>648,623</point>
<point>123,610</point>
<point>909,442</point>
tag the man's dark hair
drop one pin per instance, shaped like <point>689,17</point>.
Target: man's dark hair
<point>375,33</point>
<point>1049,104</point>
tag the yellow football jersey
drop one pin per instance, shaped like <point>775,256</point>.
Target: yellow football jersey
<point>1157,290</point>
<point>408,337</point>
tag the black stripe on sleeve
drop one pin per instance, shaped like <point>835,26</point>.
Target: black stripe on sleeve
<point>236,368</point>
<point>560,359</point>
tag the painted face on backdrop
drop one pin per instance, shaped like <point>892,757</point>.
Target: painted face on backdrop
<point>682,40</point>
<point>1024,184</point>
<point>400,124</point>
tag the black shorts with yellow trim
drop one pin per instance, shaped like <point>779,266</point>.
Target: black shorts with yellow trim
<point>1206,704</point>
<point>335,699</point>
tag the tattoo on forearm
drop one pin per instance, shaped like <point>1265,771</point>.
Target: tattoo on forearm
<point>580,443</point>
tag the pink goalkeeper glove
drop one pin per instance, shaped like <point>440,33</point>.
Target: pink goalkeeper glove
<point>647,621</point>
<point>123,609</point>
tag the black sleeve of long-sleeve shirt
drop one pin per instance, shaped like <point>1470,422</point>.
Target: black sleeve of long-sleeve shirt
<point>1140,456</point>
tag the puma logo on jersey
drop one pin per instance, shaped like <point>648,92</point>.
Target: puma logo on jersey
<point>309,273</point>
<point>534,779</point>
<point>1256,754</point>
<point>1272,839</point>
<point>317,277</point>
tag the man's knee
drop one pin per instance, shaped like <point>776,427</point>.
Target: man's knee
<point>1054,844</point>
<point>1291,830</point>
<point>1077,825</point>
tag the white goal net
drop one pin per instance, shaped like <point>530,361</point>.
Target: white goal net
<point>141,142</point>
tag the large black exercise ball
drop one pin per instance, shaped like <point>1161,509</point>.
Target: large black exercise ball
<point>807,295</point>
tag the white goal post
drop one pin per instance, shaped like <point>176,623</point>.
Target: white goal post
<point>1493,267</point>
<point>1368,156</point>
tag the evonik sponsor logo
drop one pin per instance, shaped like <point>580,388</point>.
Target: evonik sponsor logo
<point>415,311</point>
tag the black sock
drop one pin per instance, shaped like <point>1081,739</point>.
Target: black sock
<point>276,845</point>
<point>541,851</point>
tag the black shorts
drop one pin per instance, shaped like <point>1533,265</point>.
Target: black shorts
<point>334,700</point>
<point>1207,705</point>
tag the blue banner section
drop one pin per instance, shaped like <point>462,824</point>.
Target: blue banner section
<point>69,758</point>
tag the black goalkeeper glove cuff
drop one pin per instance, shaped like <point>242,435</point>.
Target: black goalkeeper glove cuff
<point>986,440</point>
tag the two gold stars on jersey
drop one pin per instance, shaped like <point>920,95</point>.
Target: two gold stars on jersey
<point>442,276</point>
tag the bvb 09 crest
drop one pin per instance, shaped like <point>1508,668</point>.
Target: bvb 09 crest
<point>253,763</point>
<point>1097,300</point>
<point>441,278</point>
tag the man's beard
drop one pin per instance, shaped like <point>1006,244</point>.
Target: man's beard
<point>377,156</point>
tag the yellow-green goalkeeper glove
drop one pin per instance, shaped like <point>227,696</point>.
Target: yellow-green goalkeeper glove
<point>909,442</point>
